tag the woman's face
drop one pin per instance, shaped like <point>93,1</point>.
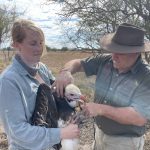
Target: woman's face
<point>31,48</point>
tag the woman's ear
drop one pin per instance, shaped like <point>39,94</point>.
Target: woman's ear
<point>15,45</point>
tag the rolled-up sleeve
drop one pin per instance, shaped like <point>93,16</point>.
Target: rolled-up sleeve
<point>141,99</point>
<point>14,118</point>
<point>93,64</point>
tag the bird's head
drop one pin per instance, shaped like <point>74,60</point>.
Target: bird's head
<point>73,95</point>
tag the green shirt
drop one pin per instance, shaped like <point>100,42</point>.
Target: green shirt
<point>130,89</point>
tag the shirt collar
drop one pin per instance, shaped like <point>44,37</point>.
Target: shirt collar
<point>24,68</point>
<point>135,68</point>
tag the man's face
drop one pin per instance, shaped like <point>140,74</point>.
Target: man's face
<point>123,62</point>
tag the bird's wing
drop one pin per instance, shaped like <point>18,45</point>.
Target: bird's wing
<point>45,112</point>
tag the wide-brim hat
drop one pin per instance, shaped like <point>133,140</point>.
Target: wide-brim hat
<point>127,39</point>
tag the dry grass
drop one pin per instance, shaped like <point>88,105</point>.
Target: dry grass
<point>55,61</point>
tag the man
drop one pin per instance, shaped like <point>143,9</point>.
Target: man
<point>122,89</point>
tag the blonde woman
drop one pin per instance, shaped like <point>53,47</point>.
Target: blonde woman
<point>18,88</point>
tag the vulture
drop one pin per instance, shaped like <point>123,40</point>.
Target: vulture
<point>52,111</point>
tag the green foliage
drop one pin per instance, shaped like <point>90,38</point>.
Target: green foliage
<point>51,49</point>
<point>64,49</point>
<point>8,49</point>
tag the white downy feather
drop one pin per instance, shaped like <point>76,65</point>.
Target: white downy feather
<point>70,144</point>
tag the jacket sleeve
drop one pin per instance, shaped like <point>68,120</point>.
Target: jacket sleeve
<point>15,122</point>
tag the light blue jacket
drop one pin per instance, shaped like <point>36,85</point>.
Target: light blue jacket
<point>17,100</point>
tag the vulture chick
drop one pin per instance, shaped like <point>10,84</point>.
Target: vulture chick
<point>52,111</point>
<point>73,98</point>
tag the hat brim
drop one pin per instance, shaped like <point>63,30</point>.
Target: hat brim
<point>108,45</point>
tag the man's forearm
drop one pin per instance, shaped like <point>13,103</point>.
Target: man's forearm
<point>123,115</point>
<point>73,66</point>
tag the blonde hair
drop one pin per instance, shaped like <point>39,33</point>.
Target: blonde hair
<point>18,31</point>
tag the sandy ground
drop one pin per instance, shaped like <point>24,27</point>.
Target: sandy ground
<point>86,138</point>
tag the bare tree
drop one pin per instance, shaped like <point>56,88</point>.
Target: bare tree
<point>7,16</point>
<point>98,17</point>
<point>141,10</point>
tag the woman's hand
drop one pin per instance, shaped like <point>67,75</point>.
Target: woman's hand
<point>70,132</point>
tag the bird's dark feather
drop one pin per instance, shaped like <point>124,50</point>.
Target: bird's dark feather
<point>64,110</point>
<point>49,108</point>
<point>45,112</point>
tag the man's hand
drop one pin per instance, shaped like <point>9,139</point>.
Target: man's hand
<point>63,79</point>
<point>92,109</point>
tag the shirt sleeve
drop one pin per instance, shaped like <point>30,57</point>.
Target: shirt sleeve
<point>16,124</point>
<point>141,99</point>
<point>93,64</point>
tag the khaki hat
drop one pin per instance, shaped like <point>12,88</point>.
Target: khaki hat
<point>127,39</point>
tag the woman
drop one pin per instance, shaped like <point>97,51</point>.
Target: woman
<point>18,88</point>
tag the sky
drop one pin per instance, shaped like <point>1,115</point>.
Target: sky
<point>46,17</point>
